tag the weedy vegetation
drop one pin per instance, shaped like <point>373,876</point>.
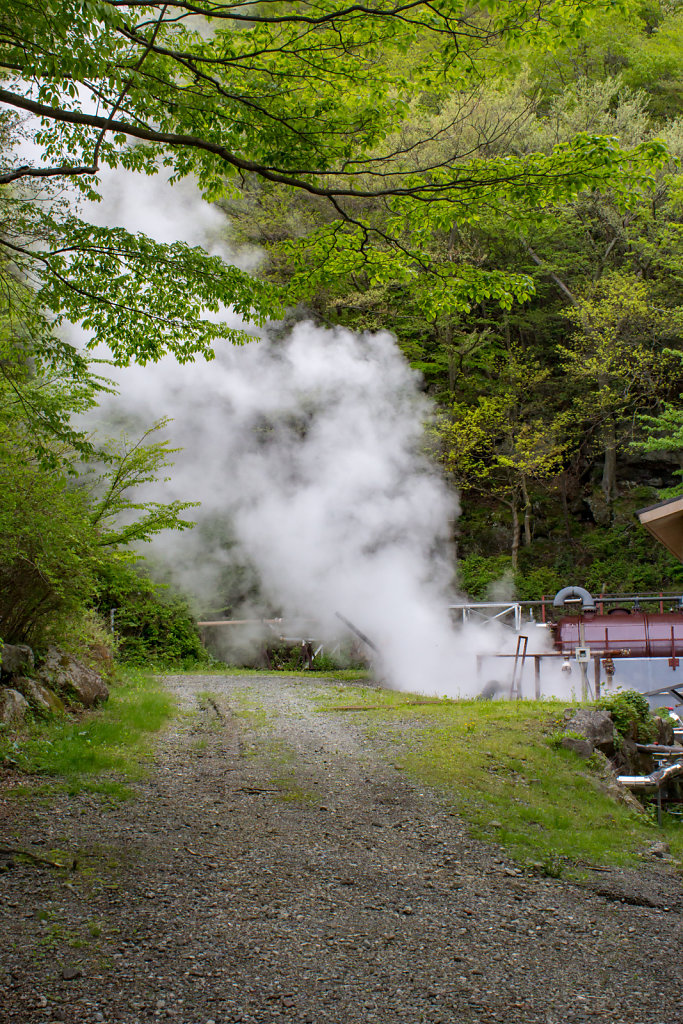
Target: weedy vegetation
<point>500,766</point>
<point>102,750</point>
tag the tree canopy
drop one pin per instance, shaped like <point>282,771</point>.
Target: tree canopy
<point>498,183</point>
<point>310,97</point>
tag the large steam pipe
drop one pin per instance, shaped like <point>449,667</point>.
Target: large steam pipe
<point>578,593</point>
<point>354,629</point>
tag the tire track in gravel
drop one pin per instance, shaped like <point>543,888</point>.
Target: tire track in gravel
<point>275,867</point>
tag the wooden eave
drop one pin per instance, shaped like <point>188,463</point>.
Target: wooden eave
<point>665,522</point>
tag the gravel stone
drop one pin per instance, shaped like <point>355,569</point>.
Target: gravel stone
<point>221,893</point>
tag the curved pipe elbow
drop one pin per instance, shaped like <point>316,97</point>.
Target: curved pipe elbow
<point>587,602</point>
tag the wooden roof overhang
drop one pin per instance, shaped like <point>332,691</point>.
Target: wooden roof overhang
<point>665,522</point>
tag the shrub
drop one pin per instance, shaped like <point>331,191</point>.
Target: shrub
<point>477,573</point>
<point>48,549</point>
<point>86,636</point>
<point>150,625</point>
<point>629,706</point>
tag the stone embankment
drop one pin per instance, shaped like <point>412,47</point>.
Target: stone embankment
<point>593,729</point>
<point>48,686</point>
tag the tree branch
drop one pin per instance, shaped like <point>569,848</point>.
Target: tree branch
<point>425,192</point>
<point>558,281</point>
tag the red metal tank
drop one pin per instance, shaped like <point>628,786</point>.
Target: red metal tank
<point>642,635</point>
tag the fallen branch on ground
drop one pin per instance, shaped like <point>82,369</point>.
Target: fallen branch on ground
<point>19,851</point>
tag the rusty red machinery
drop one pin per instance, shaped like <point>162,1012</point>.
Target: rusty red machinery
<point>632,641</point>
<point>627,631</point>
<point>623,633</point>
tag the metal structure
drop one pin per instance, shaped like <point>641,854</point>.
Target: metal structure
<point>518,668</point>
<point>604,632</point>
<point>659,781</point>
<point>665,522</point>
<point>485,612</point>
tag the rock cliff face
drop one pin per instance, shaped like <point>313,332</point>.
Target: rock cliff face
<point>58,682</point>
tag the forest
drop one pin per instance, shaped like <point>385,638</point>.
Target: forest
<point>499,185</point>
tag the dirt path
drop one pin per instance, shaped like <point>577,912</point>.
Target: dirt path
<point>275,867</point>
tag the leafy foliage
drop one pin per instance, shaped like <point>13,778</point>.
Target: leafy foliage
<point>358,110</point>
<point>539,403</point>
<point>500,185</point>
<point>127,466</point>
<point>68,511</point>
<point>628,707</point>
<point>48,551</point>
<point>151,628</point>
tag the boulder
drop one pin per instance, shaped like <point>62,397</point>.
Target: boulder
<point>597,726</point>
<point>16,659</point>
<point>13,707</point>
<point>631,761</point>
<point>665,731</point>
<point>39,696</point>
<point>70,678</point>
<point>584,748</point>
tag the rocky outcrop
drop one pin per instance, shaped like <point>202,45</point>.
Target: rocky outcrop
<point>630,761</point>
<point>71,679</point>
<point>13,707</point>
<point>593,730</point>
<point>40,698</point>
<point>622,795</point>
<point>665,731</point>
<point>597,727</point>
<point>582,747</point>
<point>16,659</point>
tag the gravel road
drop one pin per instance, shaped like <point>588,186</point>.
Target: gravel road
<point>275,866</point>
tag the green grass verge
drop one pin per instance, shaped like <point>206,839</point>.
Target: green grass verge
<point>103,749</point>
<point>495,764</point>
<point>343,674</point>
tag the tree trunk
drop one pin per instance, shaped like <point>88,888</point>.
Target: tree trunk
<point>527,513</point>
<point>565,506</point>
<point>515,536</point>
<point>609,470</point>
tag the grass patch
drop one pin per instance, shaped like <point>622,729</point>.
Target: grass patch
<point>329,698</point>
<point>102,749</point>
<point>348,675</point>
<point>494,762</point>
<point>292,792</point>
<point>245,705</point>
<point>219,669</point>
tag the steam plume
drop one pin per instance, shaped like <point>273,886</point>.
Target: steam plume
<point>308,447</point>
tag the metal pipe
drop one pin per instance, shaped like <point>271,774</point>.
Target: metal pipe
<point>653,781</point>
<point>577,594</point>
<point>354,629</point>
<point>240,622</point>
<point>661,749</point>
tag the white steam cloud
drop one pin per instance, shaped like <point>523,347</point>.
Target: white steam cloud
<point>307,447</point>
